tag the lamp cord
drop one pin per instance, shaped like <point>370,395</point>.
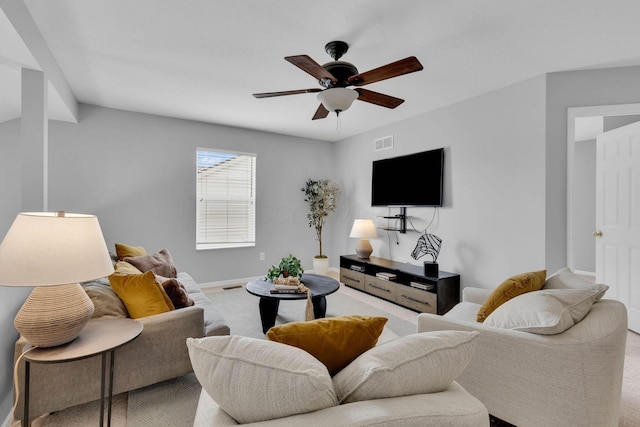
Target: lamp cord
<point>16,388</point>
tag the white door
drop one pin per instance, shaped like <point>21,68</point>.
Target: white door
<point>618,217</point>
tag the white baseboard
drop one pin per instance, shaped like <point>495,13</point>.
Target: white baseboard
<point>223,283</point>
<point>585,273</point>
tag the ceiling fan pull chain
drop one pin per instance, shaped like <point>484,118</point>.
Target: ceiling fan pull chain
<point>338,122</point>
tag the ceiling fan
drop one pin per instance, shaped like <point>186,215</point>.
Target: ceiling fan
<point>336,77</point>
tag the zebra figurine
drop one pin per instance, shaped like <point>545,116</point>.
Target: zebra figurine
<point>428,244</point>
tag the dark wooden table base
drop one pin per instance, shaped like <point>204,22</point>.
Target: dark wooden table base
<point>269,310</point>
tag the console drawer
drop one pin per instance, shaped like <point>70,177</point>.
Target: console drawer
<point>417,299</point>
<point>352,278</point>
<point>380,288</point>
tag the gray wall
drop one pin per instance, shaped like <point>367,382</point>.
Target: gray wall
<point>136,172</point>
<point>584,220</point>
<point>574,89</point>
<point>492,222</point>
<point>12,298</point>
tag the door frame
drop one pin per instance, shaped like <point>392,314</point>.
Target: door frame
<point>572,114</point>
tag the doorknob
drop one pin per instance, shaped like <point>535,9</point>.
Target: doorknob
<point>597,233</point>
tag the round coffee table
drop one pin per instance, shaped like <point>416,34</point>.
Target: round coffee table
<point>320,287</point>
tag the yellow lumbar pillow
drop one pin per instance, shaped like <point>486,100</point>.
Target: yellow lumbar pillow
<point>335,341</point>
<point>123,250</point>
<point>123,267</point>
<point>140,294</point>
<point>511,288</point>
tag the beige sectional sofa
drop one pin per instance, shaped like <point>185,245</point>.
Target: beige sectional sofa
<point>158,354</point>
<point>573,378</point>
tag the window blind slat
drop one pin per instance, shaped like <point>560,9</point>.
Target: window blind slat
<point>225,209</point>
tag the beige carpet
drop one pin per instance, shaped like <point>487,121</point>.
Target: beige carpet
<point>630,406</point>
<point>173,403</point>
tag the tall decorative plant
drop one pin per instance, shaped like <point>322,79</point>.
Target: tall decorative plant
<point>322,197</point>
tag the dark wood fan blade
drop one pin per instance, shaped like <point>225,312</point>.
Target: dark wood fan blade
<point>308,65</point>
<point>321,113</point>
<point>378,98</point>
<point>395,69</point>
<point>286,92</point>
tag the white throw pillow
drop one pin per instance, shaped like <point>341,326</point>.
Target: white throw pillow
<point>546,312</point>
<point>415,364</point>
<point>566,279</point>
<point>256,380</point>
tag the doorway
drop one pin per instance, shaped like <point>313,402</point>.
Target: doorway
<point>579,235</point>
<point>577,115</point>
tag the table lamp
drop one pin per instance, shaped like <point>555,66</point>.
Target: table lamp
<point>363,229</point>
<point>53,252</point>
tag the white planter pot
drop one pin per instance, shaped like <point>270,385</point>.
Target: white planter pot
<point>321,266</point>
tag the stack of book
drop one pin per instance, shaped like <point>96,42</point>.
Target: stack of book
<point>286,289</point>
<point>423,286</point>
<point>385,276</point>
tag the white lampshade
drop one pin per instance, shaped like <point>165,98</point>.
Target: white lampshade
<point>337,98</point>
<point>53,252</point>
<point>363,229</point>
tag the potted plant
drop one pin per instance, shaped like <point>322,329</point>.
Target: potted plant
<point>289,266</point>
<point>322,197</point>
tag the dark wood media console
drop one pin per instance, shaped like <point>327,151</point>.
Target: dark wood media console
<point>410,289</point>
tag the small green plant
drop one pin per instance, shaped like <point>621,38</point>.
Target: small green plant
<point>288,266</point>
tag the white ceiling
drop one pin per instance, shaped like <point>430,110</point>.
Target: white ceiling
<point>202,59</point>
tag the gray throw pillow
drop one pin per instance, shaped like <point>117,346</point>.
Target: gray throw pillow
<point>566,279</point>
<point>257,380</point>
<point>421,363</point>
<point>161,263</point>
<point>545,312</point>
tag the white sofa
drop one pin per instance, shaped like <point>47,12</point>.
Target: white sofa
<point>409,381</point>
<point>569,379</point>
<point>452,407</point>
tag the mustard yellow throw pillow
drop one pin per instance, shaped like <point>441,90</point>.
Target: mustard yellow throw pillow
<point>511,288</point>
<point>123,250</point>
<point>335,341</point>
<point>140,294</point>
<point>123,267</point>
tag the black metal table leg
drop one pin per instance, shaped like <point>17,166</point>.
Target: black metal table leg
<point>111,364</point>
<point>25,414</point>
<point>102,378</point>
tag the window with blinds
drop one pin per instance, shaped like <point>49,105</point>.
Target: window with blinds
<point>225,199</point>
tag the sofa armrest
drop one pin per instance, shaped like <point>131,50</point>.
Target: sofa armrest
<point>160,352</point>
<point>187,321</point>
<point>475,295</point>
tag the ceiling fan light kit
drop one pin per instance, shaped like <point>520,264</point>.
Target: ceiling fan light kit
<point>337,99</point>
<point>336,77</point>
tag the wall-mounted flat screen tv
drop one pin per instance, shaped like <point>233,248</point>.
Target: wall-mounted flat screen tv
<point>411,180</point>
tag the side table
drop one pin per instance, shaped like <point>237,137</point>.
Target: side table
<point>99,337</point>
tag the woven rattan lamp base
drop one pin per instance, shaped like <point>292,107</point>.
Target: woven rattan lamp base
<point>54,315</point>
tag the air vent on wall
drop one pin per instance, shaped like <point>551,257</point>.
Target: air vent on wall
<point>383,143</point>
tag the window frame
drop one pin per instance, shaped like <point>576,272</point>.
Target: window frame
<point>250,229</point>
